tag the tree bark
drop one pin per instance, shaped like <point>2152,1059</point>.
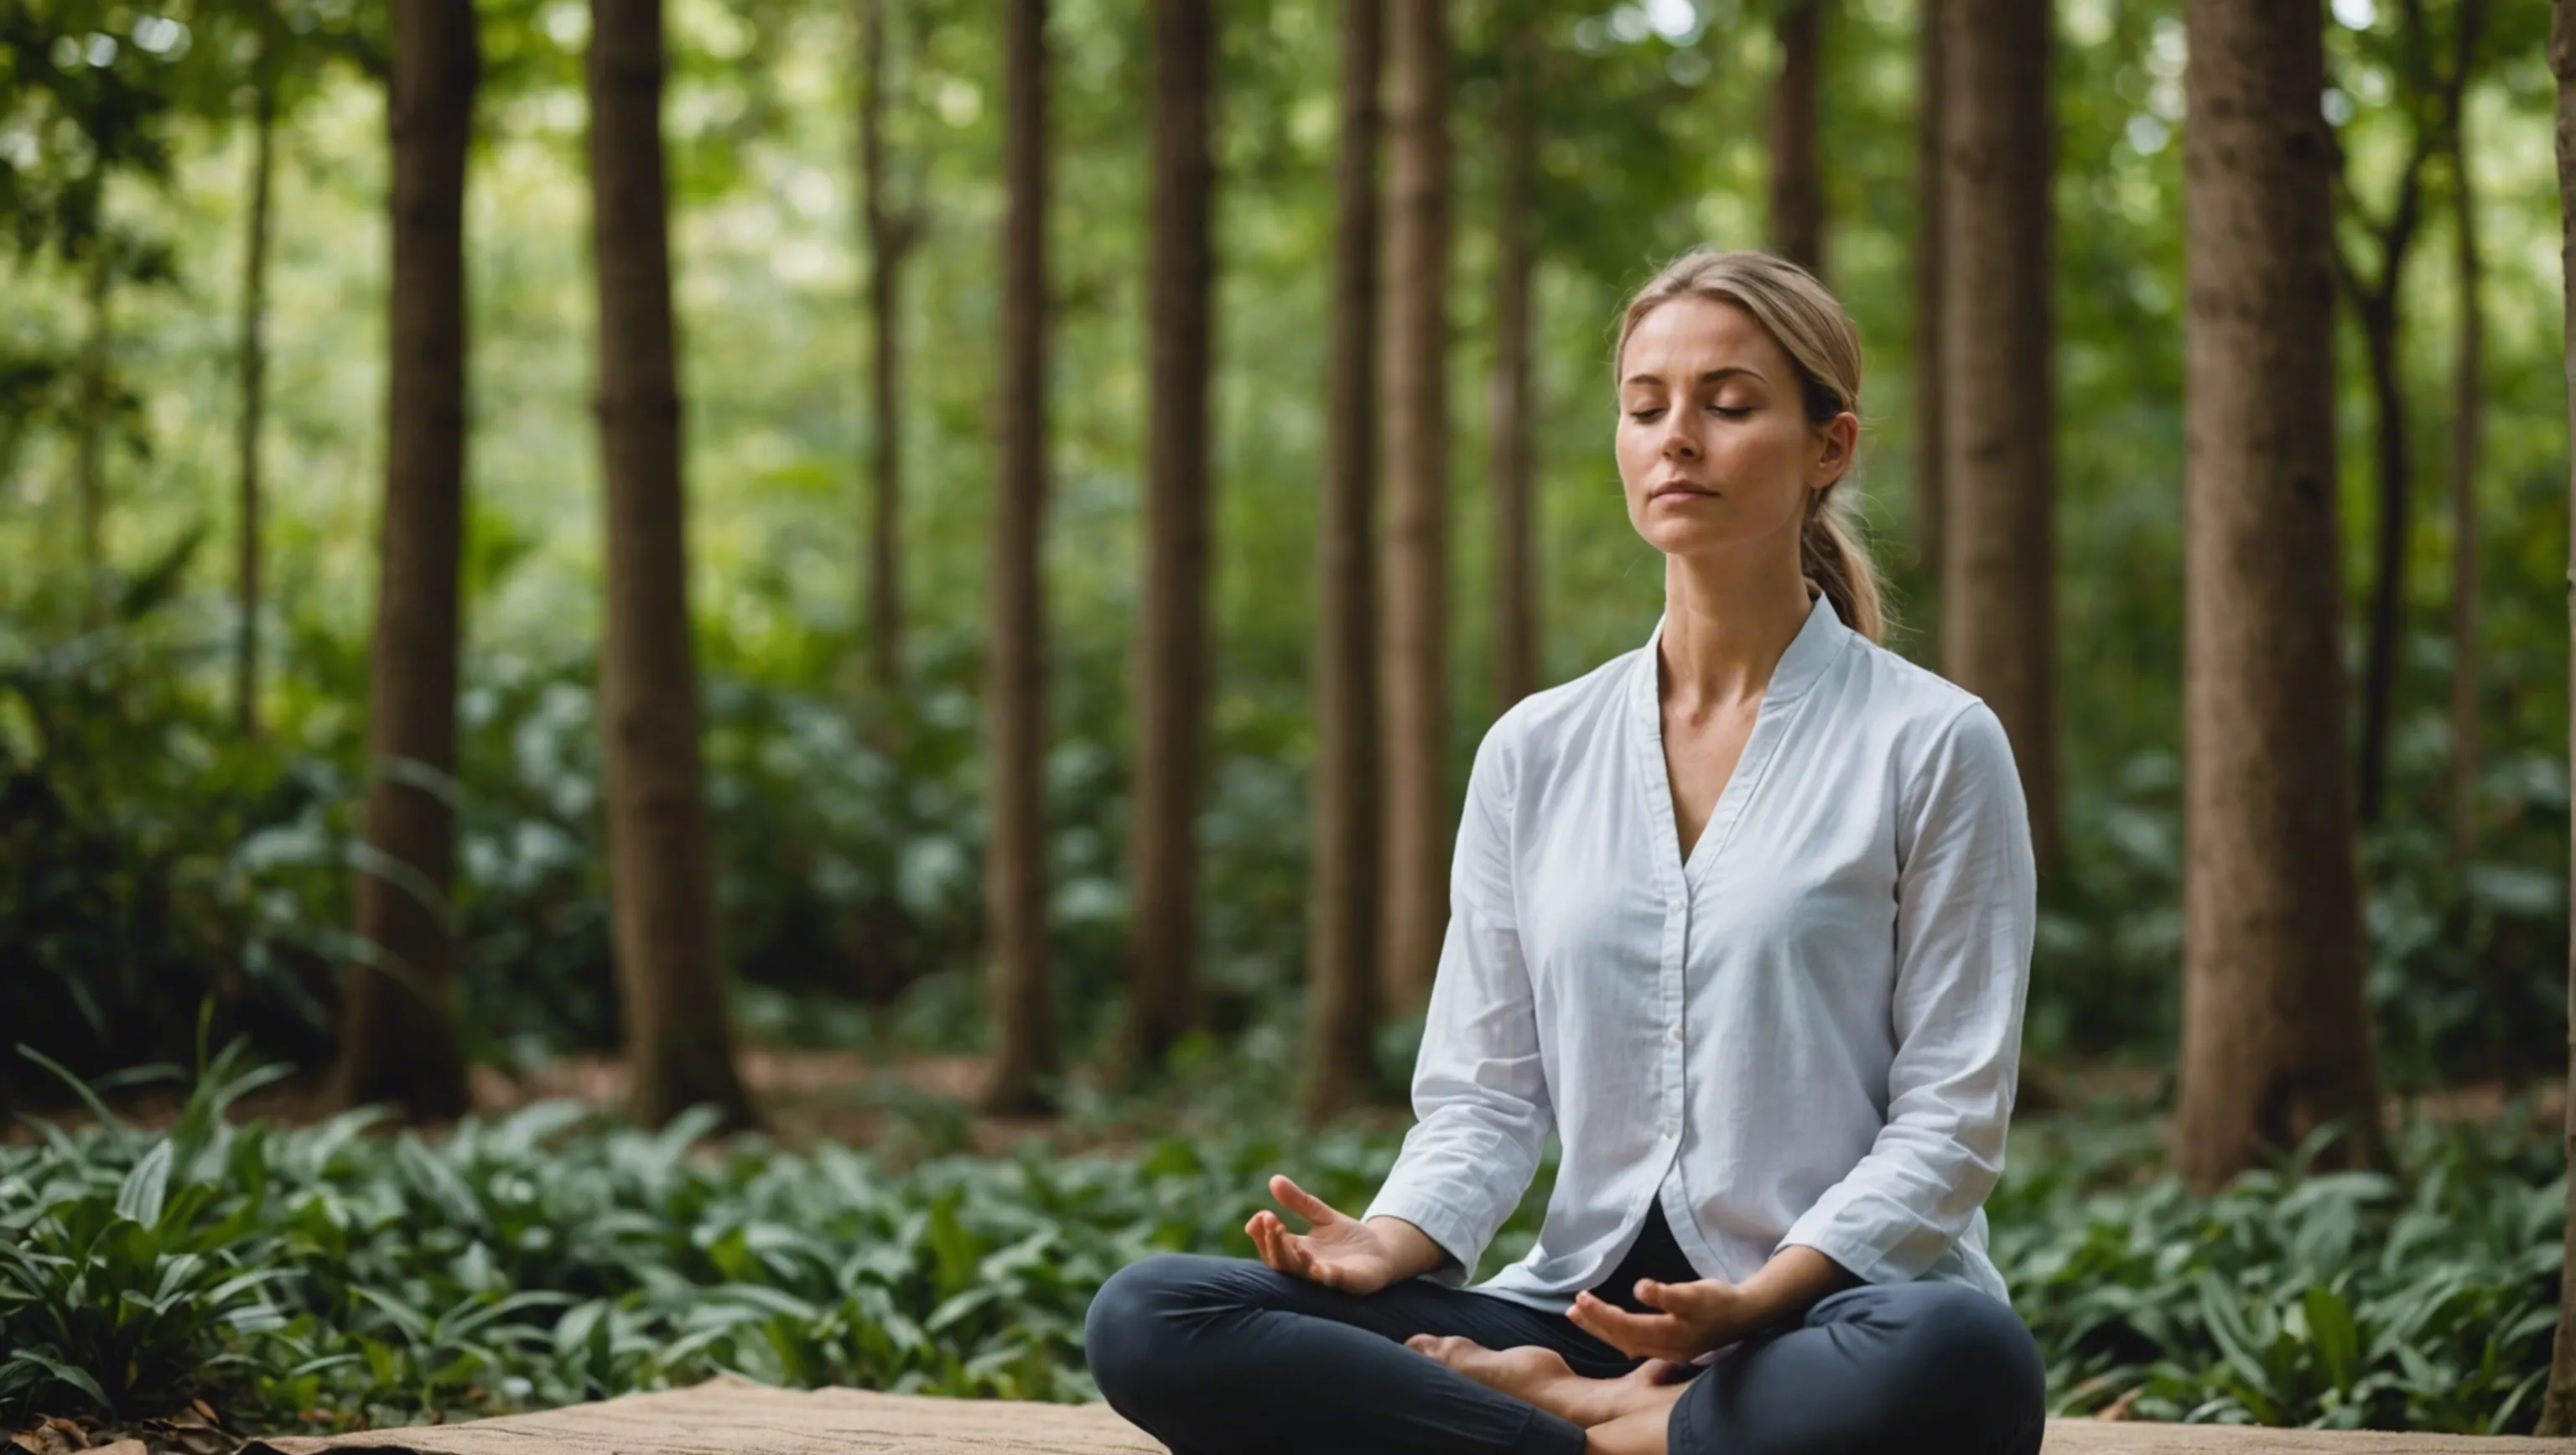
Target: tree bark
<point>1342,907</point>
<point>679,1049</point>
<point>2275,1039</point>
<point>1171,660</point>
<point>1509,388</point>
<point>397,1029</point>
<point>1797,180</point>
<point>2468,404</point>
<point>253,366</point>
<point>2558,1404</point>
<point>1930,402</point>
<point>1415,432</point>
<point>890,234</point>
<point>1998,634</point>
<point>1024,1032</point>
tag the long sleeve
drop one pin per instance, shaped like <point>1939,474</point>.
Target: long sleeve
<point>1480,1097</point>
<point>1967,892</point>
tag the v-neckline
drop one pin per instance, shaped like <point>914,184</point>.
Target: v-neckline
<point>1789,678</point>
<point>1734,773</point>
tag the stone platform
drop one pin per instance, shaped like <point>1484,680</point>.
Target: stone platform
<point>738,1417</point>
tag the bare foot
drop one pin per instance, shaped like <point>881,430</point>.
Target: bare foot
<point>1538,1375</point>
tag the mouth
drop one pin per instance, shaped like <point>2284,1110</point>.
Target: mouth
<point>1680,487</point>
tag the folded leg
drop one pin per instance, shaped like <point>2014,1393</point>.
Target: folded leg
<point>1217,1355</point>
<point>1928,1368</point>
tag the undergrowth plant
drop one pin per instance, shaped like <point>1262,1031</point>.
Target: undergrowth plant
<point>324,1276</point>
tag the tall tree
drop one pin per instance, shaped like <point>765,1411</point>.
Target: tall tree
<point>2558,1403</point>
<point>892,231</point>
<point>1930,405</point>
<point>1171,657</point>
<point>2468,404</point>
<point>1998,614</point>
<point>1508,398</point>
<point>1415,557</point>
<point>1024,1033</point>
<point>1342,883</point>
<point>2275,1039</point>
<point>252,354</point>
<point>679,1048</point>
<point>1797,181</point>
<point>2431,100</point>
<point>89,446</point>
<point>397,1032</point>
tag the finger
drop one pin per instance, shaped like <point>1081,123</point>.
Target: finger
<point>1673,1298</point>
<point>1303,1203</point>
<point>1272,1242</point>
<point>1632,1334</point>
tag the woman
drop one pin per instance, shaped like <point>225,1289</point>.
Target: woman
<point>1746,917</point>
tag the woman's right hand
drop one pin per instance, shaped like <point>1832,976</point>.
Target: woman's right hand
<point>1337,1251</point>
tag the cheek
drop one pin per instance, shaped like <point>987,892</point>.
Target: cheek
<point>1631,455</point>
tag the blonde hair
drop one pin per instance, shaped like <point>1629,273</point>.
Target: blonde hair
<point>1812,329</point>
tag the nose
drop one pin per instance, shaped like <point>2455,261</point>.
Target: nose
<point>1678,442</point>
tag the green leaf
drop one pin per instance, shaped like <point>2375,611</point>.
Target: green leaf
<point>145,1186</point>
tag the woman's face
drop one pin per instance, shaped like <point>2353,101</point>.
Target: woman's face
<point>1714,443</point>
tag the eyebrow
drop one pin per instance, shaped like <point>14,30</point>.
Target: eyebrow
<point>1711,377</point>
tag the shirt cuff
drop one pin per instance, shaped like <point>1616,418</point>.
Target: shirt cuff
<point>1439,1221</point>
<point>1852,1232</point>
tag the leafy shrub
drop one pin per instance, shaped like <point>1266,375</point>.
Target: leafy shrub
<point>319,1276</point>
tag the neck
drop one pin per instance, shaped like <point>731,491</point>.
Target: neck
<point>1727,623</point>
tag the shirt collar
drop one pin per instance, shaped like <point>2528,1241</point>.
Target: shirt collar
<point>1810,652</point>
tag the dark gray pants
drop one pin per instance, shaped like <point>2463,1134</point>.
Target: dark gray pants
<point>1214,1356</point>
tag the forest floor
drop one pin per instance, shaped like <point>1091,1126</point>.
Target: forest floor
<point>808,1096</point>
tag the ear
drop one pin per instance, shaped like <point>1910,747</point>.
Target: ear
<point>1837,440</point>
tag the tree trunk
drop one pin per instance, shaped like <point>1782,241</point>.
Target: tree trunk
<point>2275,1039</point>
<point>1508,392</point>
<point>2558,1405</point>
<point>679,1049</point>
<point>2377,307</point>
<point>254,372</point>
<point>1171,658</point>
<point>89,449</point>
<point>1024,1034</point>
<point>2468,404</point>
<point>1415,431</point>
<point>397,1029</point>
<point>889,238</point>
<point>1930,403</point>
<point>1342,908</point>
<point>1998,635</point>
<point>2379,332</point>
<point>1797,180</point>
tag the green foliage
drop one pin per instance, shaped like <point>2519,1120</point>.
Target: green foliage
<point>2343,1300</point>
<point>320,1275</point>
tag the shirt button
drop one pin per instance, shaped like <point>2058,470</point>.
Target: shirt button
<point>1666,1129</point>
<point>1675,906</point>
<point>1674,1035</point>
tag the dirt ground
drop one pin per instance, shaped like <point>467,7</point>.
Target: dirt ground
<point>808,1096</point>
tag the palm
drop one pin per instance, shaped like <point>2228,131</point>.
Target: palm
<point>1337,1251</point>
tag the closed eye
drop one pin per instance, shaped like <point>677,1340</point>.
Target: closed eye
<point>1643,416</point>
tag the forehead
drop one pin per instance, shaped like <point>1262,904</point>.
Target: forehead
<point>1688,336</point>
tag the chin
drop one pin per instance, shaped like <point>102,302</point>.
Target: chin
<point>1675,538</point>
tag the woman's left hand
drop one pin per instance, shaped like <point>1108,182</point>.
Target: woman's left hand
<point>1691,1319</point>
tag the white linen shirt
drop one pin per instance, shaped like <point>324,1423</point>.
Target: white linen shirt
<point>1809,1032</point>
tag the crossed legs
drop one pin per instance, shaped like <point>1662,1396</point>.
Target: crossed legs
<point>1214,1355</point>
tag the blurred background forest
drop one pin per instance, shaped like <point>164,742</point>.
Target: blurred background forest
<point>194,473</point>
